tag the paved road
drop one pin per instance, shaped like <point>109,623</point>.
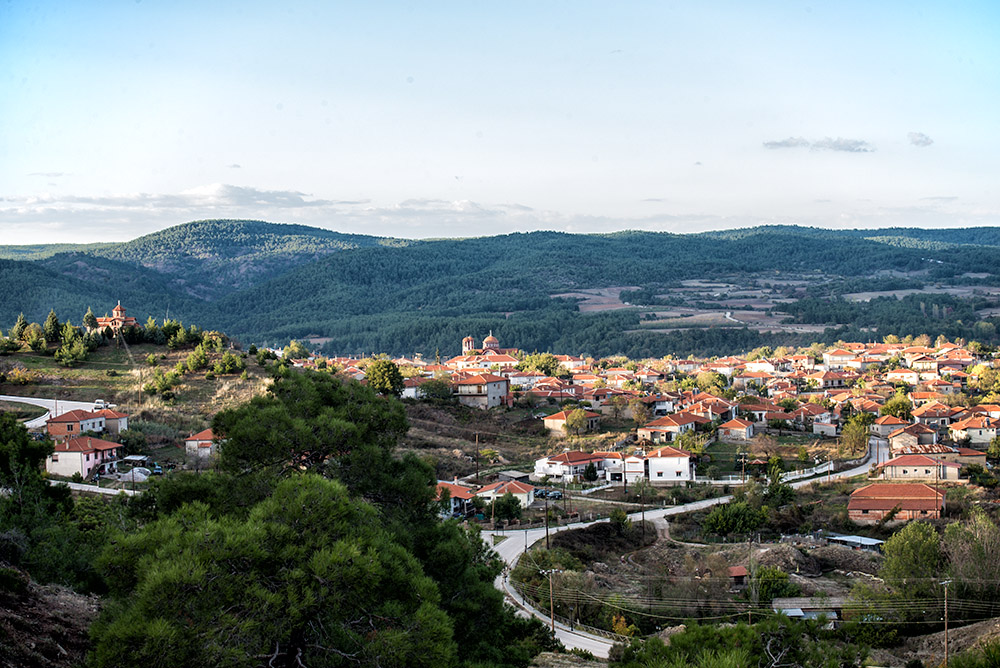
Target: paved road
<point>518,541</point>
<point>54,407</point>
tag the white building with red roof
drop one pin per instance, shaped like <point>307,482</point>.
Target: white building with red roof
<point>81,455</point>
<point>979,429</point>
<point>202,444</point>
<point>523,492</point>
<point>568,465</point>
<point>460,496</point>
<point>114,422</point>
<point>918,467</point>
<point>669,466</point>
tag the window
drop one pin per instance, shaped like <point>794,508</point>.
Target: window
<point>904,471</point>
<point>927,471</point>
<point>55,458</point>
<point>864,512</point>
<point>678,474</point>
<point>659,474</point>
<point>69,427</point>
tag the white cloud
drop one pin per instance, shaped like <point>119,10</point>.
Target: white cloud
<point>919,139</point>
<point>825,144</point>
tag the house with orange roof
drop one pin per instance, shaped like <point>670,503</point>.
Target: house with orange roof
<point>911,435</point>
<point>483,391</point>
<point>907,376</point>
<point>887,424</point>
<point>460,497</point>
<point>201,444</point>
<point>668,427</point>
<point>73,423</point>
<point>569,465</point>
<point>838,358</point>
<point>933,414</point>
<point>737,429</point>
<point>523,492</point>
<point>114,422</point>
<point>918,467</point>
<point>992,410</point>
<point>668,466</point>
<point>906,501</point>
<point>570,362</point>
<point>979,429</point>
<point>556,423</point>
<point>81,455</point>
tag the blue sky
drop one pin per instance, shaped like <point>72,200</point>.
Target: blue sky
<point>462,119</point>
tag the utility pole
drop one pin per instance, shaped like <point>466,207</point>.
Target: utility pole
<point>946,583</point>
<point>546,521</point>
<point>477,457</point>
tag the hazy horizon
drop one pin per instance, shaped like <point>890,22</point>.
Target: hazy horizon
<point>457,120</point>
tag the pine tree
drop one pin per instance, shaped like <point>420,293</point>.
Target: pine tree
<point>18,331</point>
<point>52,328</point>
<point>90,320</point>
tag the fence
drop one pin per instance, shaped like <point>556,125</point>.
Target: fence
<point>787,476</point>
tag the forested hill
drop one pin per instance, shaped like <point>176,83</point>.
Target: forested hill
<point>210,258</point>
<point>267,283</point>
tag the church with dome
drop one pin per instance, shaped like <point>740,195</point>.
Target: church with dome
<point>491,346</point>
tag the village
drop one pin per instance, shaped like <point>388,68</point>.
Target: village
<point>862,437</point>
<point>903,409</point>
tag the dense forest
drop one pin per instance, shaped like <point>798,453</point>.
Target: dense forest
<point>268,283</point>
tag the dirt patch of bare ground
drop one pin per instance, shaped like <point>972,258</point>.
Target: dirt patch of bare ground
<point>930,648</point>
<point>554,660</point>
<point>42,626</point>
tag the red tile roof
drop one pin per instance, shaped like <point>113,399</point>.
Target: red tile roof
<point>206,435</point>
<point>74,416</point>
<point>886,496</point>
<point>85,444</point>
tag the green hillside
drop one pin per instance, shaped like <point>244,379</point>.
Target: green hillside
<point>210,258</point>
<point>268,283</point>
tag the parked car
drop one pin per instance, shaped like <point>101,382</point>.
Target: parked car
<point>157,469</point>
<point>541,493</point>
<point>555,494</point>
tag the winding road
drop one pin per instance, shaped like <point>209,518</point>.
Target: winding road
<point>54,407</point>
<point>517,543</point>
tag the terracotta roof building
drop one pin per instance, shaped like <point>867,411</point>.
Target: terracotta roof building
<point>909,501</point>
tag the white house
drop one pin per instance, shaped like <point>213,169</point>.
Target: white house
<point>521,491</point>
<point>460,497</point>
<point>668,427</point>
<point>81,455</point>
<point>201,444</point>
<point>567,465</point>
<point>114,422</point>
<point>668,466</point>
<point>979,429</point>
